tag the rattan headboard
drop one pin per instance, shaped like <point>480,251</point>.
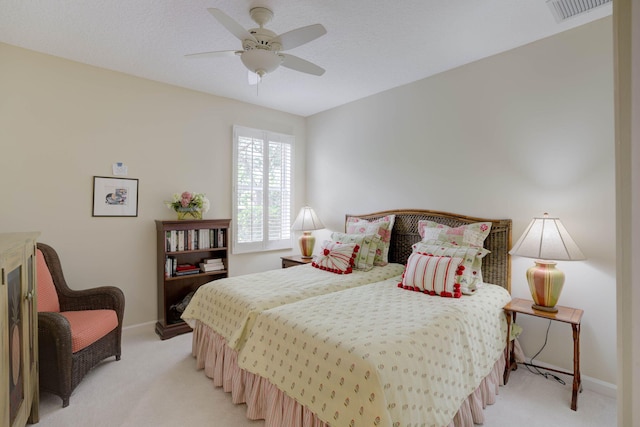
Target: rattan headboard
<point>496,267</point>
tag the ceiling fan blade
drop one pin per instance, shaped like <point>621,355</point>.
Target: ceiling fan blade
<point>300,64</point>
<point>300,36</point>
<point>231,25</point>
<point>214,54</point>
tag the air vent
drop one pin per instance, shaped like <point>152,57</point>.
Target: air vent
<point>565,9</point>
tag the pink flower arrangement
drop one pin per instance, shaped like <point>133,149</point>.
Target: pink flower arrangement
<point>189,200</point>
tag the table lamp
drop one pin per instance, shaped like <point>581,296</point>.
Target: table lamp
<point>307,221</point>
<point>546,240</point>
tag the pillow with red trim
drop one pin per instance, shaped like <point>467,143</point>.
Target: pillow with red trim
<point>381,226</point>
<point>471,277</point>
<point>465,235</point>
<point>433,275</point>
<point>336,257</point>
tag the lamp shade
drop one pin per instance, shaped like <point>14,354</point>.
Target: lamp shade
<point>307,220</point>
<point>546,238</point>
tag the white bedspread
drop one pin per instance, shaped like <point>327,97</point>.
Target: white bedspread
<point>378,355</point>
<point>229,306</point>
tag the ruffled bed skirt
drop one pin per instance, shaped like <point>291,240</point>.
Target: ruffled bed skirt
<point>265,401</point>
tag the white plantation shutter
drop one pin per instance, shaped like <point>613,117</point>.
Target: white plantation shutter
<point>262,188</point>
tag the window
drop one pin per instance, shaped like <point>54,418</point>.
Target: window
<point>262,174</point>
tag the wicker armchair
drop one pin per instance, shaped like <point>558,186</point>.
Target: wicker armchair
<point>62,369</point>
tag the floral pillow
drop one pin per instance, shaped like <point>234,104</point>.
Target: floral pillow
<point>336,257</point>
<point>465,235</point>
<point>381,226</point>
<point>368,244</point>
<point>433,275</point>
<point>470,278</point>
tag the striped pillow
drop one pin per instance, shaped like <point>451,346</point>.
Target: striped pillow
<point>471,277</point>
<point>336,257</point>
<point>433,275</point>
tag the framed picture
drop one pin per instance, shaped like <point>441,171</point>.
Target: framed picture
<point>115,196</point>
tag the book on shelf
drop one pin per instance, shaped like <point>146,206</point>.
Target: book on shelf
<point>181,240</point>
<point>171,241</point>
<point>216,238</point>
<point>185,269</point>
<point>182,267</point>
<point>203,239</point>
<point>204,267</point>
<point>189,240</point>
<point>170,265</point>
<point>212,261</point>
<point>187,272</point>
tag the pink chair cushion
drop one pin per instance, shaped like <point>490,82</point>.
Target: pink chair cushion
<point>47,295</point>
<point>88,326</point>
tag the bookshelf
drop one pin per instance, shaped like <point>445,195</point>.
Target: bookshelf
<point>181,244</point>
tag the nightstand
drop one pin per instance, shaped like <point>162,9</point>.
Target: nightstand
<point>292,261</point>
<point>573,316</point>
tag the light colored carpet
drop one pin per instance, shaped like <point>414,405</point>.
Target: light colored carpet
<point>156,384</point>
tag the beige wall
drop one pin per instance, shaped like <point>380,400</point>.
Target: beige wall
<point>61,123</point>
<point>511,136</point>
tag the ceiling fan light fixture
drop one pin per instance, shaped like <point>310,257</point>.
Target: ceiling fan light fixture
<point>260,61</point>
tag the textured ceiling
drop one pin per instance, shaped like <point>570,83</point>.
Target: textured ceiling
<point>370,45</point>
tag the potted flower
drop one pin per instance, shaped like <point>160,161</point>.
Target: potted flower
<point>189,205</point>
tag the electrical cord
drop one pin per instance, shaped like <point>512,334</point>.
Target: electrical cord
<point>536,369</point>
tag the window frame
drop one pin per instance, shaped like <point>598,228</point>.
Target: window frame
<point>265,244</point>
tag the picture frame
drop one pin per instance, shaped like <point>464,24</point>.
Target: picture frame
<point>115,196</point>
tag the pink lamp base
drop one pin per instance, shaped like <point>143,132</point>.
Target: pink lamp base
<point>545,285</point>
<point>307,242</point>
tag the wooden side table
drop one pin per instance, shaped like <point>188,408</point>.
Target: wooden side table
<point>573,316</point>
<point>292,261</point>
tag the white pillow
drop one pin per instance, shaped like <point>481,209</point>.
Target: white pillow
<point>336,257</point>
<point>381,226</point>
<point>465,235</point>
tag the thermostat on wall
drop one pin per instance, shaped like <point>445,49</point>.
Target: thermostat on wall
<point>119,168</point>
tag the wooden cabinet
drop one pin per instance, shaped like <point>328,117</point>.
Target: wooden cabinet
<point>19,395</point>
<point>181,243</point>
<point>292,261</point>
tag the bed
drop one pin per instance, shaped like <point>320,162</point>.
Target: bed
<point>247,385</point>
<point>229,306</point>
<point>222,312</point>
<point>385,356</point>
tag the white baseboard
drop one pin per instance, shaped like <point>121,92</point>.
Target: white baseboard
<point>602,387</point>
<point>588,383</point>
<point>140,325</point>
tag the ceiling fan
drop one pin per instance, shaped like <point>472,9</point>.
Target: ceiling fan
<point>262,49</point>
